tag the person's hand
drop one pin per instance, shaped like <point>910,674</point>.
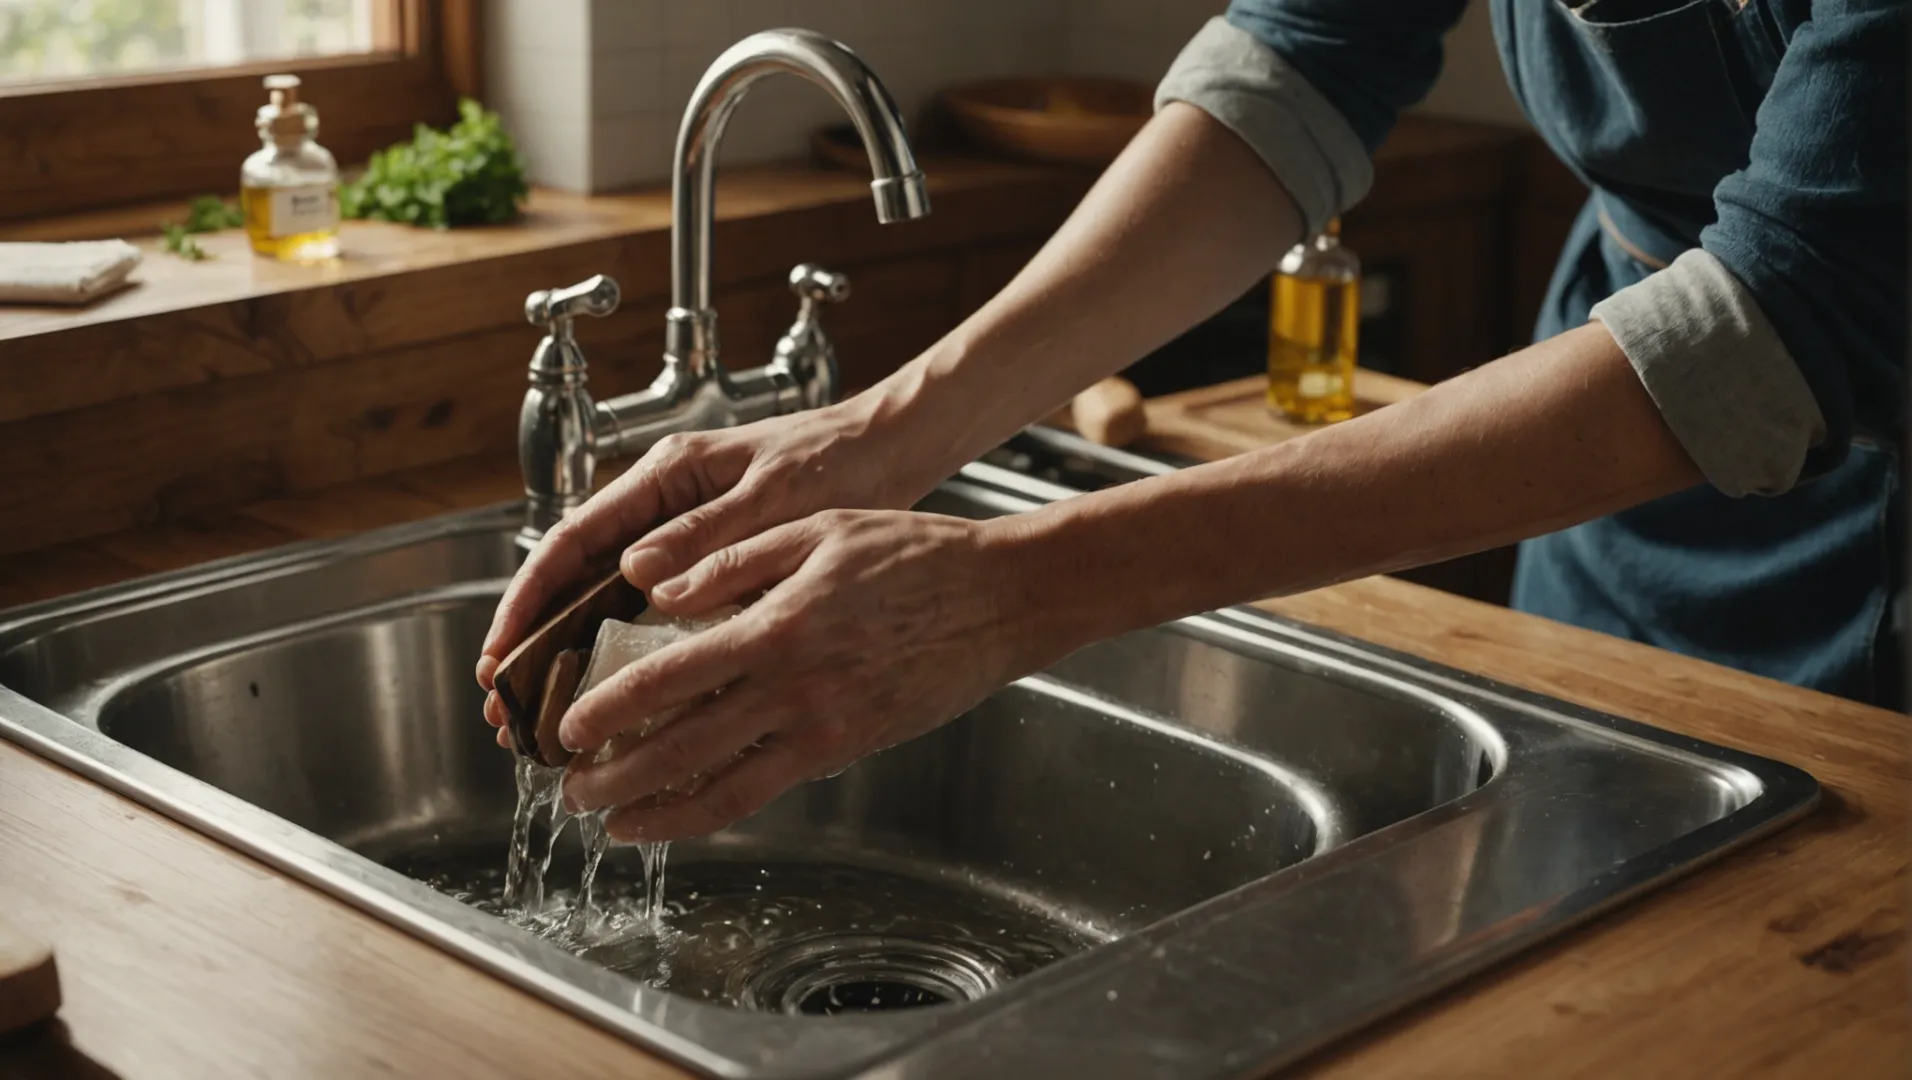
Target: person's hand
<point>696,492</point>
<point>877,627</point>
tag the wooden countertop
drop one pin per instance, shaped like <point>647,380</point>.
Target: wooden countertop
<point>182,957</point>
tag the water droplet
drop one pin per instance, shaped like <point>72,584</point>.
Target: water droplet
<point>1207,855</point>
<point>1112,995</point>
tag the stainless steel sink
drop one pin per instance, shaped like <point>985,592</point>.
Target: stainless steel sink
<point>1198,850</point>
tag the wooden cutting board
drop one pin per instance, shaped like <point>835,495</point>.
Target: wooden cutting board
<point>1231,418</point>
<point>29,982</point>
<point>1212,422</point>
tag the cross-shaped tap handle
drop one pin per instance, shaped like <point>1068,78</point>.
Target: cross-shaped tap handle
<point>813,282</point>
<point>553,309</point>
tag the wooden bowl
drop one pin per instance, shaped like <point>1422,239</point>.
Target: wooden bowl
<point>1072,119</point>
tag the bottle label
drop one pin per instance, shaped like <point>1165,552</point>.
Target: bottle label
<point>304,209</point>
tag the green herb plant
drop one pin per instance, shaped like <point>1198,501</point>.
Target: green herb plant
<point>468,175</point>
<point>207,213</point>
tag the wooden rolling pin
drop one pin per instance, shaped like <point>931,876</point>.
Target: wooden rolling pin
<point>29,982</point>
<point>1110,412</point>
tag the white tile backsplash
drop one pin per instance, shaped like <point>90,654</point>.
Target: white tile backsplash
<point>556,148</point>
<point>840,19</point>
<point>683,66</point>
<point>693,22</point>
<point>586,71</point>
<point>633,148</point>
<point>538,70</point>
<point>750,16</point>
<point>550,25</point>
<point>626,81</point>
<point>627,24</point>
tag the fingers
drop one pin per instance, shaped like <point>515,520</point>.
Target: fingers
<point>728,574</point>
<point>671,477</point>
<point>730,796</point>
<point>680,543</point>
<point>495,713</point>
<point>676,674</point>
<point>702,741</point>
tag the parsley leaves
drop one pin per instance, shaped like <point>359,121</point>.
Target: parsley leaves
<point>468,175</point>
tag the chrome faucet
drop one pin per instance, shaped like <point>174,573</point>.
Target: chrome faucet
<point>563,433</point>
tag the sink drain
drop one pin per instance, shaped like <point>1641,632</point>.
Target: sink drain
<point>826,976</point>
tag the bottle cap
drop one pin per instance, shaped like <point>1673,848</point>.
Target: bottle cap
<point>285,116</point>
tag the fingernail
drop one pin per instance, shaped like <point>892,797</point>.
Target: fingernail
<point>643,565</point>
<point>568,738</point>
<point>669,590</point>
<point>487,670</point>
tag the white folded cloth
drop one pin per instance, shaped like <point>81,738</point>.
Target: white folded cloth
<point>70,273</point>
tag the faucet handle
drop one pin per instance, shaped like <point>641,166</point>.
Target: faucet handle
<point>815,284</point>
<point>554,309</point>
<point>803,355</point>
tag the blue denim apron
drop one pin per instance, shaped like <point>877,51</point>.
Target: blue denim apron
<point>1652,103</point>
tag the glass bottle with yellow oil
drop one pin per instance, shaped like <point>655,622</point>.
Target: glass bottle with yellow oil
<point>1312,330</point>
<point>289,189</point>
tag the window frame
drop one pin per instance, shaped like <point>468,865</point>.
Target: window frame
<point>87,144</point>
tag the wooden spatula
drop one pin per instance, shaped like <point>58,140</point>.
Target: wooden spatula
<point>29,981</point>
<point>525,679</point>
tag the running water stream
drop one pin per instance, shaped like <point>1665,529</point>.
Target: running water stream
<point>578,918</point>
<point>741,933</point>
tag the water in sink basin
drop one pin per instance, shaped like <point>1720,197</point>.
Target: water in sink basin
<point>796,937</point>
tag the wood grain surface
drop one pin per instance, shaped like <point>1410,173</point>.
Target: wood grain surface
<point>234,380</point>
<point>182,957</point>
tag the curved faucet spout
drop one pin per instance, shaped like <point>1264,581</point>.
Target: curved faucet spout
<point>898,185</point>
<point>563,432</point>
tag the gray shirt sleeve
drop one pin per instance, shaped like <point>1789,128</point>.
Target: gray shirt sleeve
<point>1719,373</point>
<point>1252,91</point>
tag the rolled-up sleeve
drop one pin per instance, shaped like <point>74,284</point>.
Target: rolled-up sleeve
<point>1313,86</point>
<point>1769,348</point>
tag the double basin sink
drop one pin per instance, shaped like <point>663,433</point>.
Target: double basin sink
<point>1203,849</point>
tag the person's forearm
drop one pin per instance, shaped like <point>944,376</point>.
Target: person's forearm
<point>1554,435</point>
<point>1185,220</point>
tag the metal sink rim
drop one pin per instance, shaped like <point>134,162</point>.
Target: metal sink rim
<point>925,1039</point>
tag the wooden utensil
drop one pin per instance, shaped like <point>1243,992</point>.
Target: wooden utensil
<point>526,680</point>
<point>560,686</point>
<point>29,981</point>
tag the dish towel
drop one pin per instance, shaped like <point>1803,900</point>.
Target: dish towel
<point>71,273</point>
